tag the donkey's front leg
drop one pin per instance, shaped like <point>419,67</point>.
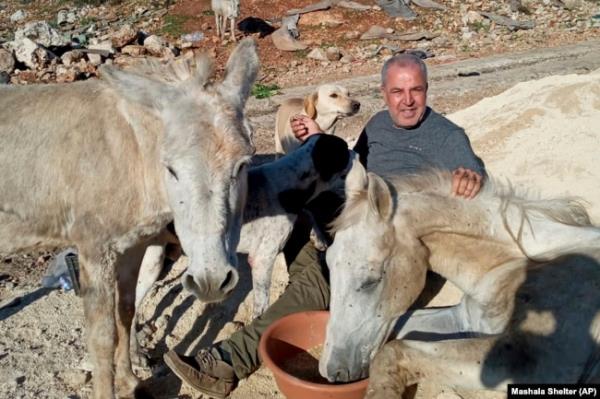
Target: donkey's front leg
<point>399,366</point>
<point>232,21</point>
<point>97,288</point>
<point>218,25</point>
<point>128,266</point>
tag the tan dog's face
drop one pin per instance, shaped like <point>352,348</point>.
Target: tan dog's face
<point>331,100</point>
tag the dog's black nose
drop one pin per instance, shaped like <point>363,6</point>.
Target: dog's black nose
<point>355,106</point>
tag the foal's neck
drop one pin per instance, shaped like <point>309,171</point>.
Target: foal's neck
<point>468,238</point>
<point>542,237</point>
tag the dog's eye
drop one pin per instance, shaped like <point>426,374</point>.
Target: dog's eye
<point>333,95</point>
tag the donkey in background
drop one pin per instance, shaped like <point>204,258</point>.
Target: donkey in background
<point>529,270</point>
<point>107,164</point>
<point>225,10</point>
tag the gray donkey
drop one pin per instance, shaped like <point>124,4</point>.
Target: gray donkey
<point>277,193</point>
<point>107,164</point>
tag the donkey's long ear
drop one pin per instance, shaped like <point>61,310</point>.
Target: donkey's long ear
<point>137,88</point>
<point>380,197</point>
<point>197,70</point>
<point>310,105</point>
<point>240,73</point>
<point>204,66</point>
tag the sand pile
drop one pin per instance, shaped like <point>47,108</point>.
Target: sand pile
<point>543,135</point>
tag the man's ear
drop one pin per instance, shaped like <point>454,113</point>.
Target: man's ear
<point>310,105</point>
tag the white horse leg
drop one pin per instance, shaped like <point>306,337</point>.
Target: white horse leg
<point>218,24</point>
<point>97,288</point>
<point>128,266</point>
<point>433,323</point>
<point>400,365</point>
<point>221,27</point>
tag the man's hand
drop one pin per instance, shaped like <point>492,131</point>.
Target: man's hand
<point>466,183</point>
<point>304,127</point>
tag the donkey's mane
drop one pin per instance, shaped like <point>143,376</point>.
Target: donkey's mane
<point>567,210</point>
<point>196,70</point>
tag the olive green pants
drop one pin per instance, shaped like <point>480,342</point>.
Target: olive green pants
<point>308,289</point>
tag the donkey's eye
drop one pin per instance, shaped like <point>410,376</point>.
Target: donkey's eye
<point>333,95</point>
<point>172,173</point>
<point>369,284</point>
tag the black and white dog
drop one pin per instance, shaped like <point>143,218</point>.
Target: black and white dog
<point>277,193</point>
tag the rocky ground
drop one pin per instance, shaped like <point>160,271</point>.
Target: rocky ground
<point>58,40</point>
<point>41,332</point>
<point>41,342</point>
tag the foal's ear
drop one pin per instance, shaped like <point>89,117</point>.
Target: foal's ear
<point>136,87</point>
<point>356,180</point>
<point>240,73</point>
<point>380,196</point>
<point>310,105</point>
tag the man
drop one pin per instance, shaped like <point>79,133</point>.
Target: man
<point>405,138</point>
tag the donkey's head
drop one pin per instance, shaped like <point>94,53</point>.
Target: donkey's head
<point>205,146</point>
<point>372,264</point>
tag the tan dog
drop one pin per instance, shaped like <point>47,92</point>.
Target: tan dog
<point>328,104</point>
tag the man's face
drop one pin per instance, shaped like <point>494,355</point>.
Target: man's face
<point>405,94</point>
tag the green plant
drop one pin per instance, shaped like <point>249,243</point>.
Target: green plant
<point>326,45</point>
<point>208,12</point>
<point>264,91</point>
<point>87,20</point>
<point>480,26</point>
<point>301,53</point>
<point>173,25</point>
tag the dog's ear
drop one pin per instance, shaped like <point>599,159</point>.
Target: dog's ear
<point>330,155</point>
<point>310,105</point>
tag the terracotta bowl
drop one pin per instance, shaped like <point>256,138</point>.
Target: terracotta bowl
<point>288,337</point>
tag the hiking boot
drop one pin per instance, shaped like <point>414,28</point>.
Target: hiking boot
<point>206,372</point>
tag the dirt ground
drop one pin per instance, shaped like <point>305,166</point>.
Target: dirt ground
<point>293,68</point>
<point>42,354</point>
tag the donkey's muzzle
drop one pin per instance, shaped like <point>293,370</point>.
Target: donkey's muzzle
<point>213,287</point>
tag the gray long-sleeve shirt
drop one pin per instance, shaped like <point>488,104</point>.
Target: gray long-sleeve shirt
<point>436,142</point>
<point>388,150</point>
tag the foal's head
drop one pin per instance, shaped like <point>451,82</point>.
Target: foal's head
<point>204,149</point>
<point>376,271</point>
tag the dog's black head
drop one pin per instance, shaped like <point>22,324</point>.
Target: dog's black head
<point>330,155</point>
<point>255,25</point>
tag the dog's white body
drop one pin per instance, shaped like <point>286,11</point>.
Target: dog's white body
<point>225,10</point>
<point>328,104</point>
